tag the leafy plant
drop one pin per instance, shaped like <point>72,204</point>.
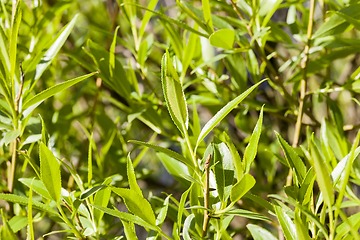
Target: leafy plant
<point>179,118</point>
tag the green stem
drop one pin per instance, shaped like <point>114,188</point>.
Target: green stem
<point>206,196</point>
<point>303,65</point>
<point>187,140</point>
<point>66,220</point>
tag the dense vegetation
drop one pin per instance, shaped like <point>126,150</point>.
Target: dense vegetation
<point>164,119</point>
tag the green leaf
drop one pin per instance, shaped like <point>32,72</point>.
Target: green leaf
<point>181,208</point>
<point>301,230</point>
<point>207,14</point>
<point>259,233</point>
<point>147,17</point>
<point>91,191</point>
<point>167,152</point>
<point>129,230</point>
<point>5,62</point>
<point>25,201</point>
<point>189,52</point>
<point>18,222</point>
<point>50,172</point>
<point>235,156</point>
<point>286,224</point>
<point>131,177</point>
<point>112,53</point>
<point>261,201</point>
<point>174,95</point>
<point>50,54</point>
<point>101,199</point>
<point>322,174</point>
<point>15,24</point>
<point>37,186</point>
<point>350,19</point>
<point>177,169</point>
<point>136,204</point>
<point>292,158</point>
<point>251,148</point>
<point>11,135</point>
<point>223,38</point>
<point>223,113</point>
<point>306,190</point>
<point>187,225</point>
<point>336,24</point>
<point>142,53</point>
<point>242,187</point>
<point>163,212</point>
<point>6,231</point>
<point>223,167</point>
<point>127,217</point>
<point>247,214</point>
<point>305,211</point>
<point>51,91</point>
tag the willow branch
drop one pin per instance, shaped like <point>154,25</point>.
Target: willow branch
<point>303,65</point>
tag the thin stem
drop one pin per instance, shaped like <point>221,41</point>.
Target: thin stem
<point>206,196</point>
<point>192,153</point>
<point>66,220</point>
<point>13,145</point>
<point>303,65</point>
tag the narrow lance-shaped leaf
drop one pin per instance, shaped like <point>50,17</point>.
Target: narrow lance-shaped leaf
<point>220,115</point>
<point>181,208</point>
<point>4,58</point>
<point>344,181</point>
<point>235,156</point>
<point>251,148</point>
<point>50,172</point>
<point>189,52</point>
<point>24,201</point>
<point>174,95</point>
<point>131,177</point>
<point>322,174</point>
<point>50,54</point>
<point>207,14</point>
<point>147,17</point>
<point>129,230</point>
<point>112,53</point>
<point>136,204</point>
<point>301,229</point>
<point>259,233</point>
<point>286,224</point>
<point>168,152</point>
<point>102,198</point>
<point>292,158</point>
<point>163,212</point>
<point>187,225</point>
<point>16,19</point>
<point>51,91</point>
<point>126,217</point>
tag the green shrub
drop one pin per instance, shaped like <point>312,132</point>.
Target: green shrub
<point>184,120</point>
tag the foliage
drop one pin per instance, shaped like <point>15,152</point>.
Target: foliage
<point>180,119</point>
